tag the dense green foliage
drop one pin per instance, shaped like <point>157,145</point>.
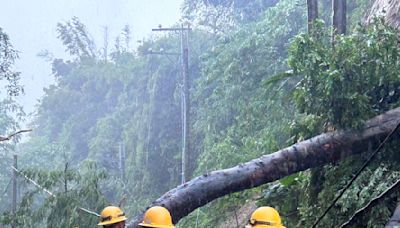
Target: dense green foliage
<point>338,87</point>
<point>233,114</point>
<point>258,84</point>
<point>8,55</point>
<point>72,189</point>
<point>348,82</point>
<point>234,117</point>
<point>97,109</point>
<point>10,112</point>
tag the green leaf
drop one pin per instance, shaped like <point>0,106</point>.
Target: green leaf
<point>289,180</point>
<point>279,77</point>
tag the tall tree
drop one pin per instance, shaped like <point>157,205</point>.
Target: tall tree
<point>339,16</point>
<point>76,38</point>
<point>312,10</point>
<point>8,55</point>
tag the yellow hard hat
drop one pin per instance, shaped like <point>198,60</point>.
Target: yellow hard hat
<point>111,215</point>
<point>265,217</point>
<point>157,217</point>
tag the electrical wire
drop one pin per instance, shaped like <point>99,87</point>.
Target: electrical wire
<point>372,156</point>
<point>50,193</point>
<point>34,182</point>
<point>5,190</point>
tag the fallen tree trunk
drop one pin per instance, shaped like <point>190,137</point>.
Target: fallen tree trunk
<point>317,151</point>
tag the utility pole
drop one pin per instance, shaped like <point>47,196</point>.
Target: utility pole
<point>186,102</point>
<point>14,193</point>
<point>184,32</point>
<point>105,45</point>
<point>122,155</point>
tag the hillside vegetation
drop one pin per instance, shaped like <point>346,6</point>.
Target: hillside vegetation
<point>109,130</point>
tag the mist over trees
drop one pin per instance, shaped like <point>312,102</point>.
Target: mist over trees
<point>109,131</point>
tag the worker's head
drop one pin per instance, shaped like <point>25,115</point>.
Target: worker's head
<point>158,217</point>
<point>112,217</point>
<point>264,217</point>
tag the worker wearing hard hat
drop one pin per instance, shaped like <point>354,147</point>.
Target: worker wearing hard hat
<point>264,217</point>
<point>112,217</point>
<point>158,217</point>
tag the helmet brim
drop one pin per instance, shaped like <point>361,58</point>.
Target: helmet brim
<point>156,226</point>
<point>112,221</point>
<point>266,226</point>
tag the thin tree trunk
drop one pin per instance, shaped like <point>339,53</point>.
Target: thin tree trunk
<point>312,10</point>
<point>320,150</point>
<point>339,16</point>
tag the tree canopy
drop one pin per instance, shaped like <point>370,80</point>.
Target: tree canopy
<point>112,122</point>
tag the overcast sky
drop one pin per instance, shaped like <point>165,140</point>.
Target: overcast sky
<point>31,25</point>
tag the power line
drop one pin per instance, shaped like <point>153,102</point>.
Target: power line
<point>150,52</point>
<point>34,182</point>
<point>371,204</point>
<point>50,193</point>
<point>88,211</point>
<point>372,156</point>
<point>170,29</point>
<point>6,188</point>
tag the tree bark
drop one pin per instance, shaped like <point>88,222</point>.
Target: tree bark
<point>314,152</point>
<point>388,9</point>
<point>339,16</point>
<point>312,10</point>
